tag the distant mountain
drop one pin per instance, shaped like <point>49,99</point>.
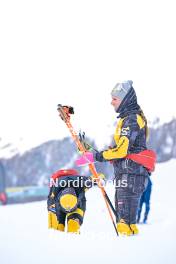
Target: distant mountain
<point>35,166</point>
<point>163,140</point>
<point>7,149</point>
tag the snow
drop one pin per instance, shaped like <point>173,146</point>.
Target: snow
<point>24,237</point>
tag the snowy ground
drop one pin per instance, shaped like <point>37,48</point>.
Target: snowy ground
<point>24,237</point>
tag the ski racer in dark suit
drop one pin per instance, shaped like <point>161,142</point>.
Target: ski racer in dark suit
<point>132,161</point>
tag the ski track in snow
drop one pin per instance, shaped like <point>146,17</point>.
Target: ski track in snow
<point>24,237</point>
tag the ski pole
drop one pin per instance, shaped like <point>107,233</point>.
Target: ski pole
<point>65,112</point>
<point>112,207</point>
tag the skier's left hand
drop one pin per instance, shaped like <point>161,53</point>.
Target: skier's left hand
<point>87,145</point>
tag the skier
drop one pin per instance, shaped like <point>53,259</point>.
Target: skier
<point>132,161</point>
<point>66,200</point>
<point>145,198</point>
<point>3,195</point>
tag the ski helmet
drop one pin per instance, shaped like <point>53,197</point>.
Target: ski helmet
<point>66,172</point>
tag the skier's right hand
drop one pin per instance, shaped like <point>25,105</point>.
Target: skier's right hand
<point>86,158</point>
<point>84,142</point>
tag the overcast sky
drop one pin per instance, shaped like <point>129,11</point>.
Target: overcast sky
<point>74,52</point>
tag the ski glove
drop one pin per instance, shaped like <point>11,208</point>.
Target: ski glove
<point>84,142</point>
<point>98,156</point>
<point>85,159</point>
<point>90,157</point>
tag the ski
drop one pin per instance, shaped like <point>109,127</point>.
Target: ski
<point>65,113</point>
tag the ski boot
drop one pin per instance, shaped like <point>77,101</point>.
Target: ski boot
<point>53,223</point>
<point>73,226</point>
<point>134,229</point>
<point>123,228</point>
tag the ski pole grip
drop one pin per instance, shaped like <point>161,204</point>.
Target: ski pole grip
<point>65,111</point>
